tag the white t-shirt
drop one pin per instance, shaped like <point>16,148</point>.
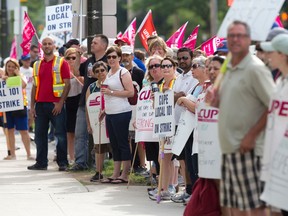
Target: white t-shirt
<point>113,104</point>
<point>28,73</point>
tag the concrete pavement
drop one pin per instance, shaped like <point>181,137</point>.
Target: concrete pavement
<point>40,193</point>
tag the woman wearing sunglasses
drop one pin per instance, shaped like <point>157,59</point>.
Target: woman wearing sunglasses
<point>189,102</point>
<point>16,119</point>
<point>100,71</point>
<point>72,56</point>
<point>118,88</point>
<point>168,67</point>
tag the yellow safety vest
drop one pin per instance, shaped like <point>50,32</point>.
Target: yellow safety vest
<point>58,84</point>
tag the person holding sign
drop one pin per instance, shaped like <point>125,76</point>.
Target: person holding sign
<point>17,119</point>
<point>118,88</point>
<point>168,67</point>
<point>244,95</point>
<point>49,92</point>
<point>100,71</point>
<point>189,102</point>
<point>276,131</point>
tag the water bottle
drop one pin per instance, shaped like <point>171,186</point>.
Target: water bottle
<point>154,87</point>
<point>89,70</point>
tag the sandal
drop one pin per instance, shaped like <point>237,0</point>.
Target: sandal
<point>108,180</point>
<point>119,181</point>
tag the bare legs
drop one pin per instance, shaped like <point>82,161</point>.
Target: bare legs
<point>25,139</point>
<point>70,146</point>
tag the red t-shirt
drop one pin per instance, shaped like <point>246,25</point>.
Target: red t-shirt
<point>45,93</point>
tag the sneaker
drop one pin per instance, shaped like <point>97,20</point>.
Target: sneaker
<point>96,177</point>
<point>76,168</point>
<point>63,168</point>
<point>172,189</point>
<point>186,200</point>
<point>139,170</point>
<point>164,195</point>
<point>180,197</point>
<point>36,166</point>
<point>153,192</point>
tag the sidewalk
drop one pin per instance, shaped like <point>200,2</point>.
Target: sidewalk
<point>33,193</point>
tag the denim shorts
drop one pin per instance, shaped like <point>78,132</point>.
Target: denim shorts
<point>20,123</point>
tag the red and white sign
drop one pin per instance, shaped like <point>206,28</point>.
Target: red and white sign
<point>144,117</point>
<point>93,104</point>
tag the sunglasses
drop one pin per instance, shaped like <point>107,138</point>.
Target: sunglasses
<point>100,70</point>
<point>182,58</point>
<point>154,66</point>
<point>71,58</point>
<point>195,66</point>
<point>167,65</point>
<point>112,57</point>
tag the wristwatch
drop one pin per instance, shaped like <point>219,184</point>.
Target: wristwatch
<point>111,92</point>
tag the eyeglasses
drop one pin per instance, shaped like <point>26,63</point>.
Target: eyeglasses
<point>112,56</point>
<point>167,65</point>
<point>182,58</point>
<point>100,70</point>
<point>154,66</point>
<point>72,57</point>
<point>237,36</point>
<point>195,66</point>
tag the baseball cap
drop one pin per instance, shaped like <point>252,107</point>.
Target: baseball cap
<point>222,47</point>
<point>25,57</point>
<point>124,40</point>
<point>126,49</point>
<point>276,31</point>
<point>278,43</point>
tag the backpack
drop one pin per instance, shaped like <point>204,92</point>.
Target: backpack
<point>132,100</point>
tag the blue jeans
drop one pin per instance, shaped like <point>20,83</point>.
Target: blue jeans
<point>43,117</point>
<point>118,126</point>
<point>81,138</point>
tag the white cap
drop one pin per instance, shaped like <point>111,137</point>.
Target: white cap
<point>126,49</point>
<point>278,43</point>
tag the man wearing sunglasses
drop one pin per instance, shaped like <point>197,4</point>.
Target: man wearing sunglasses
<point>98,48</point>
<point>183,84</point>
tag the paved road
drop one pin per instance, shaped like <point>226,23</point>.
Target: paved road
<point>40,193</point>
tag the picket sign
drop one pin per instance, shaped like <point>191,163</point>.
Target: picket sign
<point>11,95</point>
<point>144,117</point>
<point>164,121</point>
<point>93,104</point>
<point>209,152</point>
<point>258,14</point>
<point>275,160</point>
<point>275,190</point>
<point>185,127</point>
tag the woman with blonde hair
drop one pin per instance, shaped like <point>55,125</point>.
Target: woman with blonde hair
<point>17,119</point>
<point>72,56</point>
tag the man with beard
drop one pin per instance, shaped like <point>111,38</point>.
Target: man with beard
<point>184,83</point>
<point>50,89</point>
<point>137,78</point>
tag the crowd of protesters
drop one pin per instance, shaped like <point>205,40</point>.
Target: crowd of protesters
<point>59,85</point>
